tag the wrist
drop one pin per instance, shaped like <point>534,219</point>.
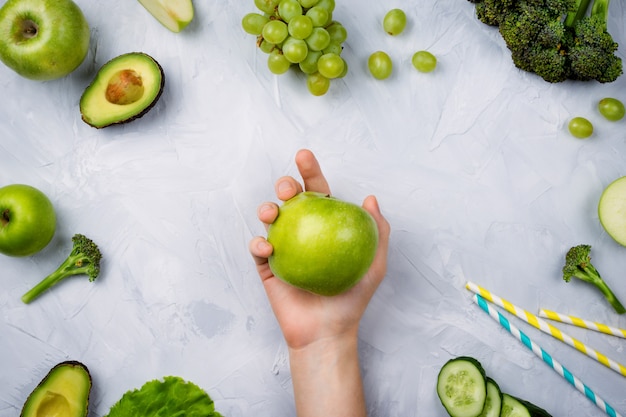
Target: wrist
<point>326,377</point>
<point>326,349</point>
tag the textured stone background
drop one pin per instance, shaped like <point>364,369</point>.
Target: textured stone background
<point>472,164</point>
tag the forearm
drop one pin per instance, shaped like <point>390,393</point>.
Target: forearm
<point>327,379</point>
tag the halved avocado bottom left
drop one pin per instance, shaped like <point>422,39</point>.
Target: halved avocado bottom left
<point>64,392</point>
<point>124,89</point>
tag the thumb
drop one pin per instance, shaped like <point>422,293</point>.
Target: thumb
<point>370,204</point>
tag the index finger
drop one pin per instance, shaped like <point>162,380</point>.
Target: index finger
<point>311,172</point>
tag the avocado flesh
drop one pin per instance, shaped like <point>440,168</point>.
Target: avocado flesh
<point>124,89</point>
<point>64,392</point>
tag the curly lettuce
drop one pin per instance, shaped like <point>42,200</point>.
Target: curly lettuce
<point>170,397</point>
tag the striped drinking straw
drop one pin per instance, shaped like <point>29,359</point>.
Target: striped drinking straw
<point>546,327</point>
<point>547,358</point>
<point>586,324</point>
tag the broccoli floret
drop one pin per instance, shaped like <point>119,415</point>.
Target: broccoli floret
<point>592,53</point>
<point>521,28</point>
<point>536,35</point>
<point>549,58</point>
<point>493,12</point>
<point>555,39</point>
<point>84,259</point>
<point>578,264</point>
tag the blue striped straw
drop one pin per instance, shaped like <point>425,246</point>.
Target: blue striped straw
<point>537,350</point>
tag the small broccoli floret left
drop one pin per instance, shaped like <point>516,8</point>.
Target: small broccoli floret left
<point>84,259</point>
<point>578,264</point>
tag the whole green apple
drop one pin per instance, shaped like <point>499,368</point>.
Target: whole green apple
<point>43,39</point>
<point>27,220</point>
<point>322,244</point>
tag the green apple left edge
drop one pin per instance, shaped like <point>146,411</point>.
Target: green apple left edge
<point>27,220</point>
<point>43,39</point>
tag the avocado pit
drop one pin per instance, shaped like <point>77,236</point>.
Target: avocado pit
<point>125,87</point>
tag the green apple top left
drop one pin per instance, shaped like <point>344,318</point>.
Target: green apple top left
<point>43,39</point>
<point>27,220</point>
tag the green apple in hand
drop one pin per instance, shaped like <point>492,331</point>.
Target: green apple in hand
<point>322,244</point>
<point>173,14</point>
<point>43,39</point>
<point>27,220</point>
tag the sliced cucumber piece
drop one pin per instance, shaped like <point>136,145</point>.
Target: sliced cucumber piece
<point>612,210</point>
<point>462,387</point>
<point>516,407</point>
<point>493,403</point>
<point>512,407</point>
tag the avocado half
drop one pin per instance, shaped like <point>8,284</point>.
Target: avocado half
<point>124,89</point>
<point>64,392</point>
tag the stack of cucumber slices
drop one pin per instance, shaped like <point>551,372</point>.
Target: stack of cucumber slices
<point>466,391</point>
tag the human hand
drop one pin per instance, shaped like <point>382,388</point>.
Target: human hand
<point>305,317</point>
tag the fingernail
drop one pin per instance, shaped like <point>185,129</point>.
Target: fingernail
<point>376,206</point>
<point>262,245</point>
<point>264,207</point>
<point>284,186</point>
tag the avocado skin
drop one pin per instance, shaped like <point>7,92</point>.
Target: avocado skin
<point>138,114</point>
<point>49,383</point>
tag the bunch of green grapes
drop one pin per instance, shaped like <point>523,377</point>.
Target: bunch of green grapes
<point>300,34</point>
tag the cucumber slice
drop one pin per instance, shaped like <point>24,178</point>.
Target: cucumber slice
<point>493,403</point>
<point>512,407</point>
<point>516,407</point>
<point>462,387</point>
<point>612,210</point>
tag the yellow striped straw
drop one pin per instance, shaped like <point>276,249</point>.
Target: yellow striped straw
<point>546,327</point>
<point>586,324</point>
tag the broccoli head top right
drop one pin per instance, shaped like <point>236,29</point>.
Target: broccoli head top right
<point>556,39</point>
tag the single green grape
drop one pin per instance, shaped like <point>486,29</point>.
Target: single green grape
<point>337,32</point>
<point>266,6</point>
<point>295,50</point>
<point>611,108</point>
<point>275,31</point>
<point>318,39</point>
<point>329,5</point>
<point>266,46</point>
<point>288,9</point>
<point>580,127</point>
<point>424,61</point>
<point>330,65</point>
<point>394,22</point>
<point>308,3</point>
<point>317,84</point>
<point>309,64</point>
<point>318,15</point>
<point>333,48</point>
<point>277,63</point>
<point>253,23</point>
<point>380,65</point>
<point>300,27</point>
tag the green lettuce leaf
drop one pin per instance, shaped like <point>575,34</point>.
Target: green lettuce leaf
<point>171,397</point>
